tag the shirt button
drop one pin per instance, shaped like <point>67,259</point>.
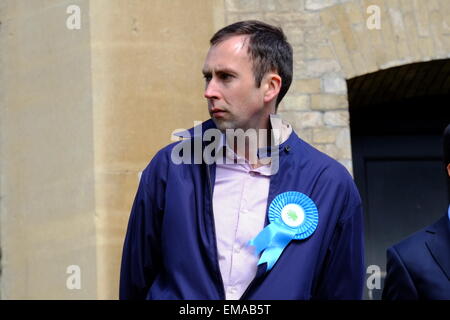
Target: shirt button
<point>237,249</point>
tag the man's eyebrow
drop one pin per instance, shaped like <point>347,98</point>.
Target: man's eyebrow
<point>218,70</point>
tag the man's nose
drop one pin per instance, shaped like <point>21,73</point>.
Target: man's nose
<point>211,91</point>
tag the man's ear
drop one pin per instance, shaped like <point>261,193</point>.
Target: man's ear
<point>272,82</point>
<point>448,169</point>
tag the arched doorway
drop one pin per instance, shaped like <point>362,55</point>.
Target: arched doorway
<point>397,117</point>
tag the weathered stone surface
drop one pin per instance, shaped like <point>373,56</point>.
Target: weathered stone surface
<point>297,102</point>
<point>307,119</point>
<point>306,86</point>
<point>282,5</point>
<point>334,83</point>
<point>242,5</point>
<point>325,135</point>
<point>319,4</point>
<point>329,102</point>
<point>336,118</point>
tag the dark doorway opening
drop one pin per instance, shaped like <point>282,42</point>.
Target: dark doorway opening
<point>397,117</point>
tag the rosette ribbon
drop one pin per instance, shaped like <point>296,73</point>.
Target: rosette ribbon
<point>293,216</point>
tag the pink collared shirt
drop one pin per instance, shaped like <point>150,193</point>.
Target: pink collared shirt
<point>239,204</point>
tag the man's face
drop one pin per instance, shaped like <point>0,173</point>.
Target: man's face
<point>234,101</point>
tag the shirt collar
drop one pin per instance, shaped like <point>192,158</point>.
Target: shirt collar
<point>281,130</point>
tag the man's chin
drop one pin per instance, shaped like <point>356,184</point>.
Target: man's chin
<point>223,125</point>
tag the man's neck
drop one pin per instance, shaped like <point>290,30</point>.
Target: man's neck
<point>254,139</point>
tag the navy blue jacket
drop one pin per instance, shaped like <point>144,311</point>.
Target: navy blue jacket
<point>419,266</point>
<point>170,247</point>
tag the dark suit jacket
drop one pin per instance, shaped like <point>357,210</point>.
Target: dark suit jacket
<point>419,266</point>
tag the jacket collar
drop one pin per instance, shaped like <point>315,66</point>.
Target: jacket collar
<point>439,243</point>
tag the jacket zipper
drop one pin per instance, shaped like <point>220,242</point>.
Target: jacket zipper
<point>218,273</point>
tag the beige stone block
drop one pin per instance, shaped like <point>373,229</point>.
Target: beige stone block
<point>407,6</point>
<point>355,13</point>
<point>282,5</point>
<point>342,53</point>
<point>296,102</point>
<point>389,39</point>
<point>411,30</point>
<point>329,149</point>
<point>325,135</point>
<point>321,52</point>
<point>426,47</point>
<point>306,86</point>
<point>346,29</point>
<point>328,18</point>
<point>268,5</point>
<point>336,118</point>
<point>444,8</point>
<point>300,67</point>
<point>301,120</point>
<point>328,102</point>
<point>319,4</point>
<point>343,144</point>
<point>317,68</point>
<point>398,27</point>
<point>334,83</point>
<point>422,19</point>
<point>298,19</point>
<point>116,191</point>
<point>317,36</point>
<point>242,5</point>
<point>359,63</point>
<point>436,22</point>
<point>294,35</point>
<point>305,134</point>
<point>366,50</point>
<point>242,16</point>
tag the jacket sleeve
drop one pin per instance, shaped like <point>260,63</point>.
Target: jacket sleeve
<point>344,273</point>
<point>398,284</point>
<point>141,256</point>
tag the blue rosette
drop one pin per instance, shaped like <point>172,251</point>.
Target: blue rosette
<point>293,216</point>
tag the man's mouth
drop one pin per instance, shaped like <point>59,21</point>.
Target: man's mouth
<point>217,112</point>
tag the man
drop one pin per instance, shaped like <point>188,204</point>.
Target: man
<point>196,229</point>
<point>419,266</point>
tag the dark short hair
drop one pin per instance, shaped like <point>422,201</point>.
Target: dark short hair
<point>267,47</point>
<point>446,145</point>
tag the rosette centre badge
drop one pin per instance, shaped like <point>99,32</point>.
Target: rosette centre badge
<point>293,216</point>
